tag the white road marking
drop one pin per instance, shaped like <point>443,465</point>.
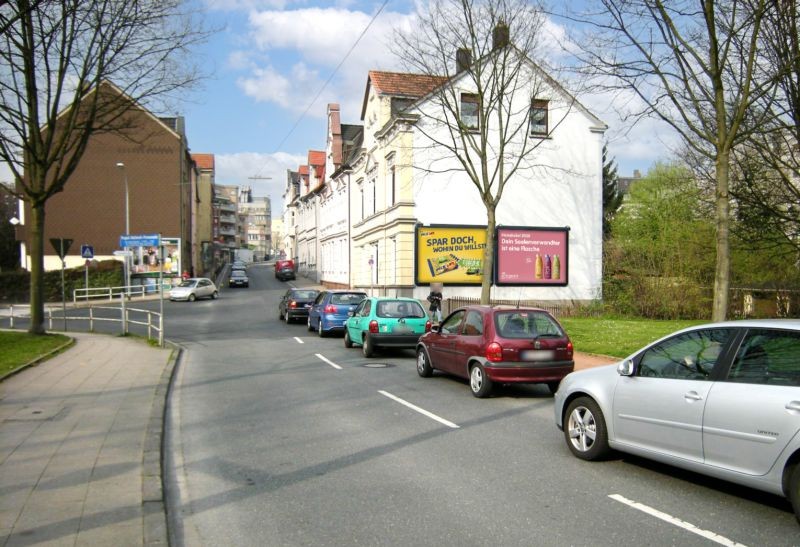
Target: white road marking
<point>418,409</point>
<point>331,363</point>
<point>299,341</point>
<point>722,540</point>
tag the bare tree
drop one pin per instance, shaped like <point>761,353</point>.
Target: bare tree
<point>692,64</point>
<point>491,140</point>
<point>59,61</point>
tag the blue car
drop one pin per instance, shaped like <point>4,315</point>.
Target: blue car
<point>330,310</point>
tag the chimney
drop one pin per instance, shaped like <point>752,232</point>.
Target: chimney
<point>463,59</point>
<point>500,36</point>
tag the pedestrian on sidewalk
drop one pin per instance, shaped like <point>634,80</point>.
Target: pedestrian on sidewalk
<point>435,298</point>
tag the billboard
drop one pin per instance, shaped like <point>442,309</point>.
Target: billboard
<point>449,254</point>
<point>531,256</point>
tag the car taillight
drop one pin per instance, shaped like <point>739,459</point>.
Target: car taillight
<point>292,304</point>
<point>494,352</point>
<point>427,326</point>
<point>330,308</point>
<point>373,326</point>
<point>569,350</point>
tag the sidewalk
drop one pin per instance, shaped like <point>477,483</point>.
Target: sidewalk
<point>80,446</point>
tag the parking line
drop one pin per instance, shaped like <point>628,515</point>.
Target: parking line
<point>299,341</point>
<point>331,363</point>
<point>418,409</point>
<point>722,540</point>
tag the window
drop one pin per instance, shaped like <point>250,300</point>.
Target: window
<point>767,357</point>
<point>392,182</point>
<point>451,324</point>
<point>469,111</point>
<point>473,326</point>
<point>539,118</point>
<point>688,356</point>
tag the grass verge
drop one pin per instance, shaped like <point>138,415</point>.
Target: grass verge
<point>19,348</point>
<point>618,337</point>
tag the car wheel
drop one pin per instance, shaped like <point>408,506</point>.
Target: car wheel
<point>424,368</point>
<point>553,387</point>
<point>192,297</point>
<point>794,491</point>
<point>479,383</point>
<point>367,346</point>
<point>320,330</point>
<point>280,314</point>
<point>585,429</point>
<point>287,318</point>
<point>214,295</point>
<point>308,324</point>
<point>347,342</point>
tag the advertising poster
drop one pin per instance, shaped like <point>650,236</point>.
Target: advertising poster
<point>532,256</point>
<point>146,260</point>
<point>450,254</point>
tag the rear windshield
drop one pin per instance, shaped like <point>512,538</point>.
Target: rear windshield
<point>347,299</point>
<point>305,295</point>
<point>400,308</point>
<point>520,324</point>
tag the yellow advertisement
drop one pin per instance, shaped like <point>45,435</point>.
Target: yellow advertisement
<point>450,254</point>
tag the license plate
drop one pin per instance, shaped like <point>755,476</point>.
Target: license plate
<point>537,355</point>
<point>402,329</point>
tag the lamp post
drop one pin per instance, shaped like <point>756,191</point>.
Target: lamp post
<point>121,166</point>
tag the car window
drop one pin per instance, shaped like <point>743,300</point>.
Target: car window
<point>186,284</point>
<point>767,357</point>
<point>473,326</point>
<point>400,308</point>
<point>688,356</point>
<point>305,295</point>
<point>347,299</point>
<point>452,322</point>
<point>203,283</point>
<point>320,298</point>
<point>363,309</point>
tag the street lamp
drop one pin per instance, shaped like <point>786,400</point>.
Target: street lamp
<point>121,166</point>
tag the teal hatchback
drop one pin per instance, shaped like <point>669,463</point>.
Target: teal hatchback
<point>382,322</point>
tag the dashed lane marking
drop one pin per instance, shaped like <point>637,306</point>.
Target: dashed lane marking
<point>422,411</point>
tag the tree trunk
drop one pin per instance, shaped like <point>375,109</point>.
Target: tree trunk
<point>37,269</point>
<point>722,274</point>
<point>488,255</point>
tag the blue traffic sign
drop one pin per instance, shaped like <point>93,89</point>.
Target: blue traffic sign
<point>143,240</point>
<point>87,251</point>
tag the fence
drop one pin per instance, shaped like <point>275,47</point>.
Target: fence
<point>109,293</point>
<point>557,310</point>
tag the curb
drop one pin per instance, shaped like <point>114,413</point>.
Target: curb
<point>44,357</point>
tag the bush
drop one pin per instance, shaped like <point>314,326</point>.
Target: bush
<point>15,285</point>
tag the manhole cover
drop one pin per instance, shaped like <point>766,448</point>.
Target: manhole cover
<point>377,365</point>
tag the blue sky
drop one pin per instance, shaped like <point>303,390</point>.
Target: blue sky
<point>272,58</point>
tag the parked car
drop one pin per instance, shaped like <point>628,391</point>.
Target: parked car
<point>331,308</point>
<point>380,322</point>
<point>238,279</point>
<point>284,269</point>
<point>193,288</point>
<point>296,303</point>
<point>497,345</point>
<point>720,399</point>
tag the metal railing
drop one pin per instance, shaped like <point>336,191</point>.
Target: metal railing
<point>124,315</point>
<point>110,293</point>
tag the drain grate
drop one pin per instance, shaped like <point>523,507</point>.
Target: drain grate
<point>377,365</point>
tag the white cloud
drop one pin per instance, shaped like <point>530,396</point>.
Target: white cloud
<point>269,171</point>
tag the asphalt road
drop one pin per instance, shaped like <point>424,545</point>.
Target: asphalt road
<point>283,438</point>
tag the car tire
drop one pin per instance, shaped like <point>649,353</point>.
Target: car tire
<point>320,330</point>
<point>479,384</point>
<point>287,317</point>
<point>585,429</point>
<point>214,295</point>
<point>308,324</point>
<point>280,315</point>
<point>553,387</point>
<point>348,343</point>
<point>192,297</point>
<point>368,346</point>
<point>424,368</point>
<point>794,491</point>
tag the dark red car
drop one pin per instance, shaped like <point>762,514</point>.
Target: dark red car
<point>497,345</point>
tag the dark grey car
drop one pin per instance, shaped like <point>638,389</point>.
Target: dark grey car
<point>295,304</point>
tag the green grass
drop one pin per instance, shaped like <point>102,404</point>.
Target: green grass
<point>617,337</point>
<point>18,348</point>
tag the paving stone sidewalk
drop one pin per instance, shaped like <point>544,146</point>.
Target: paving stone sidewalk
<point>80,446</point>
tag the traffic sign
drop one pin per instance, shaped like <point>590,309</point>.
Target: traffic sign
<point>87,251</point>
<point>143,240</point>
<point>61,245</point>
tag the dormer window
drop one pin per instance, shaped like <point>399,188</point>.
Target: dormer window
<point>469,111</point>
<point>538,122</point>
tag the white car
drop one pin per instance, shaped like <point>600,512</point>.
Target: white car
<point>193,288</point>
<point>720,399</point>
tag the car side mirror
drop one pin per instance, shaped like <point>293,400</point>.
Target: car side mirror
<point>435,328</point>
<point>626,368</point>
<point>351,314</point>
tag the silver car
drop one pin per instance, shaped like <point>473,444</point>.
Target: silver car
<point>721,399</point>
<point>194,288</point>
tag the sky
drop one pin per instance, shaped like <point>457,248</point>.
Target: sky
<point>276,64</point>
